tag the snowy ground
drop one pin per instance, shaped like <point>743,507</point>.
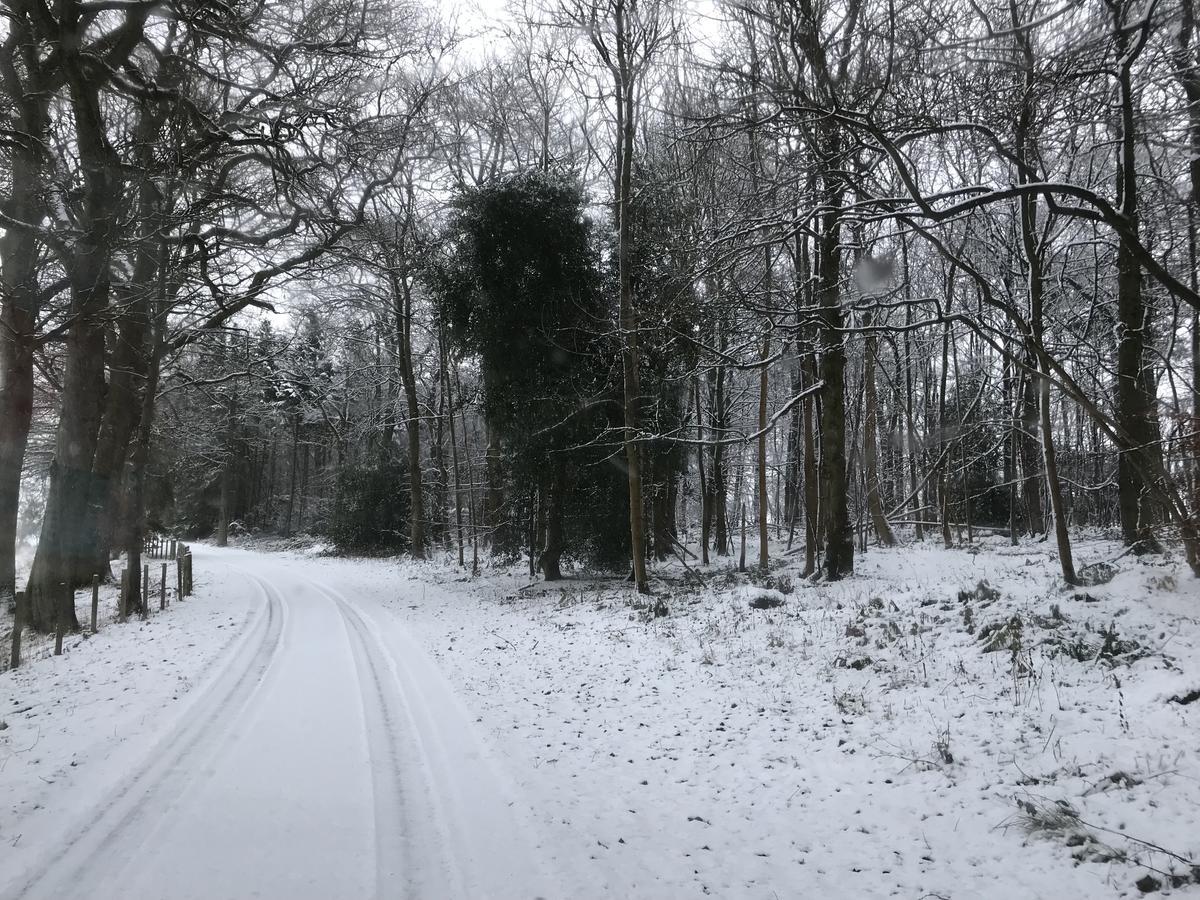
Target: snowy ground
<point>372,726</point>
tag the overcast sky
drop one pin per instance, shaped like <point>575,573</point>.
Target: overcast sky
<point>700,15</point>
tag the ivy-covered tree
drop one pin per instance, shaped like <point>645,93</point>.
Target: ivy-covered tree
<point>522,291</point>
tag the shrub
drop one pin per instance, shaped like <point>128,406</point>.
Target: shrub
<point>370,511</point>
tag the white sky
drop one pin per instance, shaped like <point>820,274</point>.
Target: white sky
<point>702,17</point>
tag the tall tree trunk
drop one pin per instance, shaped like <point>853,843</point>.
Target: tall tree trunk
<point>1034,250</point>
<point>1188,72</point>
<point>911,445</point>
<point>19,289</point>
<point>705,507</point>
<point>839,536</point>
<point>1011,393</point>
<point>64,559</point>
<point>1031,483</point>
<point>879,522</point>
<point>626,127</point>
<point>458,495</point>
<point>139,459</point>
<point>494,515</point>
<point>812,492</point>
<point>943,439</point>
<point>764,554</point>
<point>402,297</point>
<point>440,500</point>
<point>290,508</point>
<point>718,483</point>
<point>792,460</point>
<point>554,538</point>
<point>123,401</point>
<point>225,504</point>
<point>1136,407</point>
<point>1053,485</point>
<point>16,412</point>
<point>20,249</point>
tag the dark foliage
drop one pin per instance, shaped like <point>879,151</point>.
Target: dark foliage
<point>523,291</point>
<point>370,510</point>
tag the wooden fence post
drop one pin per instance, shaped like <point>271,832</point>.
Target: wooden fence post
<point>14,660</point>
<point>188,574</point>
<point>122,600</point>
<point>162,588</point>
<point>146,587</point>
<point>95,600</point>
<point>178,577</point>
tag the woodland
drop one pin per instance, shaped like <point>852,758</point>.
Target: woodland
<point>598,283</point>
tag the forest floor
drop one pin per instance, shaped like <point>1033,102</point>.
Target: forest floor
<point>946,724</point>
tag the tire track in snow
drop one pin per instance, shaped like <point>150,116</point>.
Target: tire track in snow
<point>409,849</point>
<point>442,776</point>
<point>120,820</point>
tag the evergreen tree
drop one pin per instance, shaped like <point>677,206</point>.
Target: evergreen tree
<point>522,290</point>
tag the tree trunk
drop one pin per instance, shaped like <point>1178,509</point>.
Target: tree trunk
<point>1136,406</point>
<point>63,556</point>
<point>295,465</point>
<point>717,480</point>
<point>64,552</point>
<point>458,495</point>
<point>416,498</point>
<point>626,127</point>
<point>554,539</point>
<point>1188,72</point>
<point>812,492</point>
<point>910,443</point>
<point>1053,486</point>
<point>139,458</point>
<point>1011,392</point>
<point>705,508</point>
<point>1034,250</point>
<point>226,499</point>
<point>18,323</point>
<point>402,306</point>
<point>16,412</point>
<point>123,406</point>
<point>879,522</point>
<point>764,555</point>
<point>19,289</point>
<point>839,536</point>
<point>493,516</point>
<point>943,440</point>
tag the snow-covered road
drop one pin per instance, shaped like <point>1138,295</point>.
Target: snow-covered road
<point>325,757</point>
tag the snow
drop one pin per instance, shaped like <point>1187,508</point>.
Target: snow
<point>314,763</point>
<point>310,726</point>
<point>73,724</point>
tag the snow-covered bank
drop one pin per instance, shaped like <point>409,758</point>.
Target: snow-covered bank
<point>880,737</point>
<point>73,727</point>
